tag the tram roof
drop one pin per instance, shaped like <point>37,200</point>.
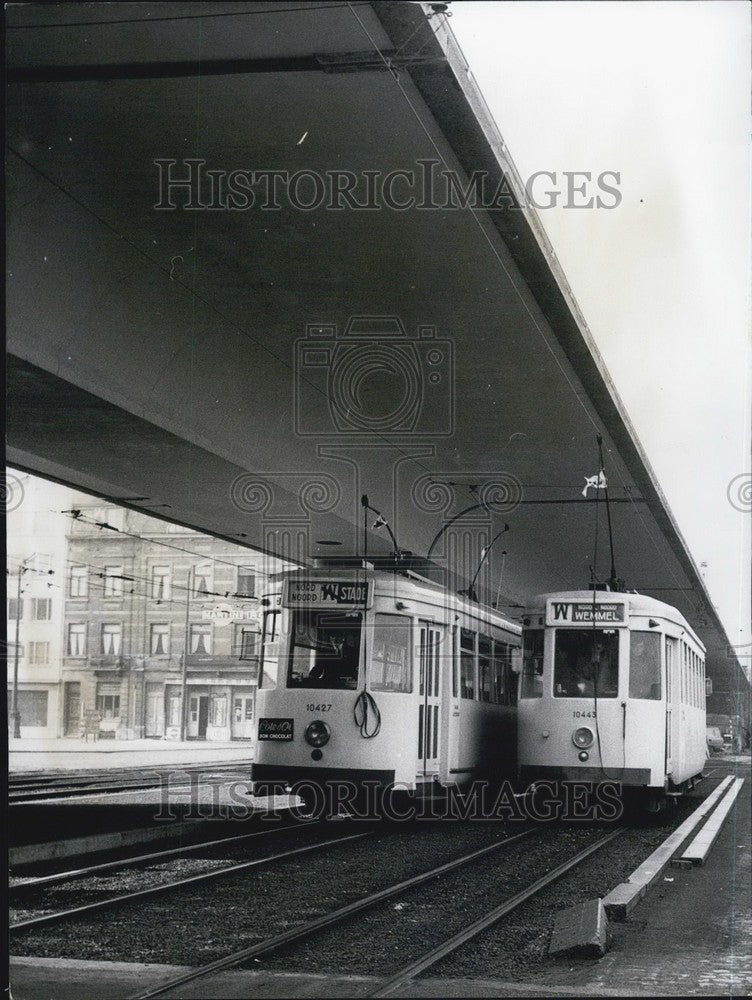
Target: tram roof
<point>641,604</point>
<point>152,354</point>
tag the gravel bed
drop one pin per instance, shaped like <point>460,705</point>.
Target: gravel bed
<point>95,888</point>
<point>516,948</point>
<point>202,923</point>
<point>402,929</point>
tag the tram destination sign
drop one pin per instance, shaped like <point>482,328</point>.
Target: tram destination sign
<point>586,613</point>
<point>328,594</point>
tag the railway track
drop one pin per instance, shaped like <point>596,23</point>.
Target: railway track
<point>38,788</point>
<point>343,914</point>
<point>25,885</point>
<point>139,895</point>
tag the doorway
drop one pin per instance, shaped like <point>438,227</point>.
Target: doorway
<point>198,716</point>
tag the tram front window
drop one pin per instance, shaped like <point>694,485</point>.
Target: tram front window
<point>586,663</point>
<point>532,663</point>
<point>324,649</point>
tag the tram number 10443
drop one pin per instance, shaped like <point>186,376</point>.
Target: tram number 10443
<point>583,715</point>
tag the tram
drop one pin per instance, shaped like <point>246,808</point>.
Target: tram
<point>375,677</point>
<point>612,689</point>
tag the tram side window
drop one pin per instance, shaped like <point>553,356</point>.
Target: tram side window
<point>586,663</point>
<point>645,665</point>
<point>270,637</point>
<point>484,668</point>
<point>390,664</point>
<point>532,664</point>
<point>324,649</point>
<point>504,681</point>
<point>467,663</point>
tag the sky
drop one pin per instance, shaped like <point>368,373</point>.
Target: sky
<point>658,92</point>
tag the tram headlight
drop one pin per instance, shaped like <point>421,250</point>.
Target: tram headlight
<point>582,737</point>
<point>317,734</point>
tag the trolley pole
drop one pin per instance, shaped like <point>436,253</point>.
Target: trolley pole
<point>184,686</point>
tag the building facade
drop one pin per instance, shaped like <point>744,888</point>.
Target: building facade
<point>34,606</point>
<point>159,621</point>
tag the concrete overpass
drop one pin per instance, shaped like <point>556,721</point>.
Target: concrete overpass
<point>248,352</point>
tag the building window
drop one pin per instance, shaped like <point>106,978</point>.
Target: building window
<point>15,609</point>
<point>113,581</point>
<point>111,637</point>
<point>76,640</point>
<point>32,707</point>
<point>245,642</point>
<point>201,639</point>
<point>14,647</point>
<point>41,609</point>
<point>246,581</point>
<point>39,653</point>
<point>160,583</point>
<point>79,581</point>
<point>108,705</point>
<point>160,640</point>
<point>202,580</point>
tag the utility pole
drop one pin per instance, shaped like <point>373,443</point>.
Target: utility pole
<point>15,715</point>
<point>184,687</point>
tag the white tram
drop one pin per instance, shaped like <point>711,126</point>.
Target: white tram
<point>376,678</point>
<point>612,689</point>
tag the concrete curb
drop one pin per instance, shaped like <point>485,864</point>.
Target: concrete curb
<point>699,849</point>
<point>55,850</point>
<point>620,902</point>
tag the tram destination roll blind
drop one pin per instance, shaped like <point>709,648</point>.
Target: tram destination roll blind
<point>327,593</point>
<point>585,613</point>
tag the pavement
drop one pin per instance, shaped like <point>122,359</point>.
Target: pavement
<point>691,936</point>
<point>74,754</point>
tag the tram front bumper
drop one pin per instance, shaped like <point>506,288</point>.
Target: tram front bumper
<point>595,775</point>
<point>278,779</point>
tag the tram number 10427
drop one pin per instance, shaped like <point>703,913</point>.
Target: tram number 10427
<point>310,707</point>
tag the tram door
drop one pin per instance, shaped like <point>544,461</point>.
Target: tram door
<point>673,708</point>
<point>429,690</point>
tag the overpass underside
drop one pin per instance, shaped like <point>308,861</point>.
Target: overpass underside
<point>243,290</point>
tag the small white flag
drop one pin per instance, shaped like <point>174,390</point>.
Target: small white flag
<point>379,522</point>
<point>597,482</point>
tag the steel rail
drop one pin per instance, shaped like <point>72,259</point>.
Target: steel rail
<point>108,866</point>
<point>305,930</point>
<point>430,958</point>
<point>53,918</point>
<point>49,795</point>
<point>22,792</point>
